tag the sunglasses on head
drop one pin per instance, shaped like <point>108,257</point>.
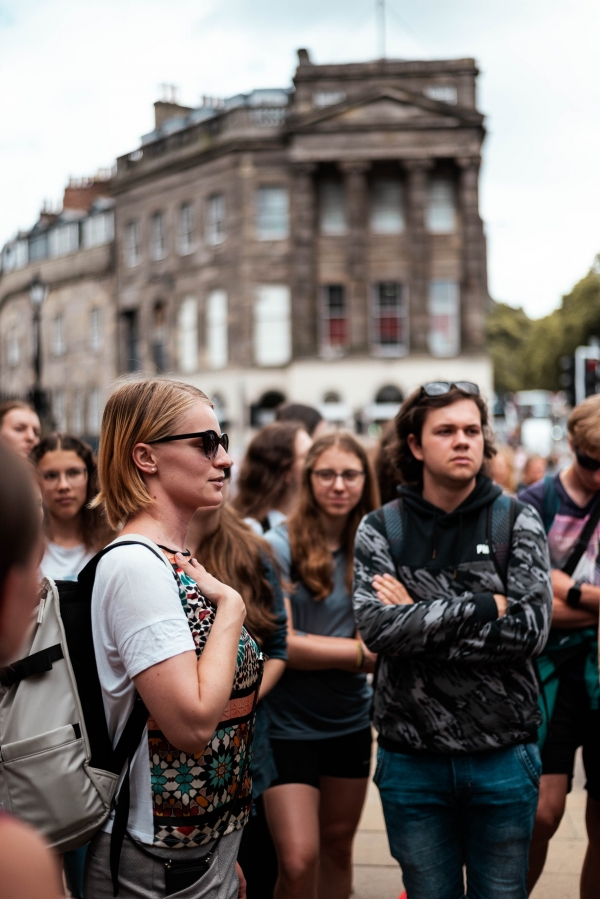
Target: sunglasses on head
<point>587,461</point>
<point>441,388</point>
<point>211,441</point>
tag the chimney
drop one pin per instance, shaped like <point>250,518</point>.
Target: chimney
<point>304,58</point>
<point>168,107</point>
<point>80,193</point>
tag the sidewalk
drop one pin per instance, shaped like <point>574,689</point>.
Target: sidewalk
<point>377,875</point>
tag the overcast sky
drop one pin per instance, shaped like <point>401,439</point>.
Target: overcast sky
<point>78,79</point>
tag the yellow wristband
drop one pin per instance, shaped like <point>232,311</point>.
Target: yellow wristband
<point>360,655</point>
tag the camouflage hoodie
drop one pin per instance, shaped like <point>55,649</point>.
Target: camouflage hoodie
<point>453,677</point>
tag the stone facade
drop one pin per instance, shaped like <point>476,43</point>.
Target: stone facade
<point>72,254</point>
<point>288,296</point>
<point>320,243</point>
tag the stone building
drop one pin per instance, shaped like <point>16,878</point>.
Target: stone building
<point>321,243</point>
<point>71,253</point>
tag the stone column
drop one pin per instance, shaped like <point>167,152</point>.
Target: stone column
<point>417,185</point>
<point>303,236</point>
<point>474,292</point>
<point>357,213</point>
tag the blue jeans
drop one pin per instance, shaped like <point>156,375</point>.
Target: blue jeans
<point>474,811</point>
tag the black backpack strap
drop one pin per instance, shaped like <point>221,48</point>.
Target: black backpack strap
<point>123,754</point>
<point>500,523</point>
<point>550,503</point>
<point>88,573</point>
<point>36,663</point>
<point>393,524</point>
<point>583,540</point>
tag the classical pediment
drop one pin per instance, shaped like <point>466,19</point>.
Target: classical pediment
<point>387,109</point>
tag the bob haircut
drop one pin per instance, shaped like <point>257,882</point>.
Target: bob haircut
<point>312,561</point>
<point>411,418</point>
<point>137,412</point>
<point>584,425</point>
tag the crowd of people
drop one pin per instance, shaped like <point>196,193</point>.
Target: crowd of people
<point>270,622</point>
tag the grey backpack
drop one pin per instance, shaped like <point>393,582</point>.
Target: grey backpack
<point>58,768</point>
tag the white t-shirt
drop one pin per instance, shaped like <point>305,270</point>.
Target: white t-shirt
<point>64,563</point>
<point>137,621</point>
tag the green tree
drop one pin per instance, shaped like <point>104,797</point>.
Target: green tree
<point>526,353</point>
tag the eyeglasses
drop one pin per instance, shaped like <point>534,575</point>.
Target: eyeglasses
<point>211,441</point>
<point>327,477</point>
<point>76,477</point>
<point>441,388</point>
<point>587,461</point>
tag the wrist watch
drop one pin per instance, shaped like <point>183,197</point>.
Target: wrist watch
<point>574,596</point>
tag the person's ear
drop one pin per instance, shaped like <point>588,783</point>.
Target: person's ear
<point>415,447</point>
<point>145,458</point>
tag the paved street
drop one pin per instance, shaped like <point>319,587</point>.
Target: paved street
<point>377,876</point>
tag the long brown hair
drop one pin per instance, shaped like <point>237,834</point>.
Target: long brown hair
<point>235,555</point>
<point>95,529</point>
<point>312,560</point>
<point>269,458</point>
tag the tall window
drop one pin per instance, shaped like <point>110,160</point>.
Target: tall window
<point>94,412</point>
<point>332,207</point>
<point>387,214</point>
<point>133,249</point>
<point>187,333</point>
<point>389,319</point>
<point>158,236</point>
<point>444,318</point>
<point>186,228</point>
<point>13,350</point>
<point>159,337</point>
<point>272,213</point>
<point>272,326</point>
<point>215,220</point>
<point>132,344</point>
<point>22,254</point>
<point>59,410</point>
<point>334,319</point>
<point>95,329</point>
<point>64,239</point>
<point>441,206</point>
<point>217,329</point>
<point>98,229</point>
<point>59,343</point>
<point>38,247</point>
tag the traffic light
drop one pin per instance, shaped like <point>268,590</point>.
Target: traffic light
<point>592,377</point>
<point>587,372</point>
<point>567,378</point>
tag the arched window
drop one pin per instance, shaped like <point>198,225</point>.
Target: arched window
<point>389,394</point>
<point>263,412</point>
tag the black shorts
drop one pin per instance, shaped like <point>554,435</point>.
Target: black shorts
<point>306,761</point>
<point>573,724</point>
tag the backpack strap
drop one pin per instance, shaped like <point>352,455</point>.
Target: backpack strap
<point>550,503</point>
<point>583,540</point>
<point>36,663</point>
<point>500,523</point>
<point>131,736</point>
<point>393,524</point>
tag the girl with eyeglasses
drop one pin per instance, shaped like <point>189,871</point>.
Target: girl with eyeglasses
<point>68,480</point>
<point>319,710</point>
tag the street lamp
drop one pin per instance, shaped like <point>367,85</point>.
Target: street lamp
<point>38,291</point>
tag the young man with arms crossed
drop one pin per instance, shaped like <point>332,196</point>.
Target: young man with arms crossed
<point>569,504</point>
<point>456,615</point>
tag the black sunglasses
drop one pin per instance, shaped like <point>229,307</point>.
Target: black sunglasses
<point>211,441</point>
<point>441,388</point>
<point>587,461</point>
